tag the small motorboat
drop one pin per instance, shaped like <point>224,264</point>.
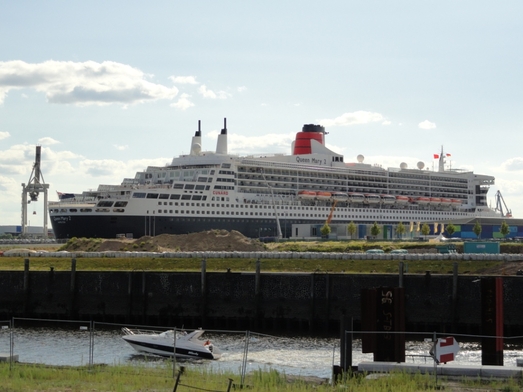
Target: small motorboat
<point>188,345</point>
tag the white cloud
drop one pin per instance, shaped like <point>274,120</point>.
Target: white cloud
<point>47,141</point>
<point>87,83</point>
<point>513,164</point>
<point>7,183</point>
<point>4,135</point>
<point>183,79</point>
<point>121,147</point>
<point>386,122</point>
<point>206,93</point>
<point>183,103</point>
<point>246,145</point>
<point>426,125</point>
<point>241,89</point>
<point>116,170</point>
<point>358,117</point>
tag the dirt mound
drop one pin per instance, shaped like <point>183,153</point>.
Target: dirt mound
<point>212,240</point>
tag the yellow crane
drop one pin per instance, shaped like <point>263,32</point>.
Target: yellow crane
<point>331,214</point>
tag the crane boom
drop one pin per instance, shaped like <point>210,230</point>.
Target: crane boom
<point>331,214</point>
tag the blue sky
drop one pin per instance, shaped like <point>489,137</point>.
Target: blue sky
<point>107,88</point>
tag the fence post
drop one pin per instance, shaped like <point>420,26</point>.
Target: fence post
<point>178,378</point>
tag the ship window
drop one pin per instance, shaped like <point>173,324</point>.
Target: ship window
<point>175,197</point>
<point>105,204</point>
<point>200,187</point>
<point>84,210</point>
<point>120,204</point>
<point>197,197</point>
<point>152,196</point>
<point>164,196</point>
<point>178,186</point>
<point>189,186</point>
<point>73,210</point>
<point>186,197</point>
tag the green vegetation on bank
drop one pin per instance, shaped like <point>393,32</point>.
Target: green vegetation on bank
<point>319,265</point>
<point>122,378</point>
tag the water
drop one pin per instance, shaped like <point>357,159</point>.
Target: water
<point>297,356</point>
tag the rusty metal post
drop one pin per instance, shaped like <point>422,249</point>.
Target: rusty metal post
<point>492,321</point>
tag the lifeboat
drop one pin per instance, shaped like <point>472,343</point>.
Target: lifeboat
<point>371,198</point>
<point>402,199</point>
<point>446,202</point>
<point>307,195</point>
<point>356,197</point>
<point>456,202</point>
<point>422,200</point>
<point>323,195</point>
<point>340,196</point>
<point>388,199</point>
<point>435,201</point>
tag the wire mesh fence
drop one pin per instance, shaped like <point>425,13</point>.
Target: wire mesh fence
<point>90,344</point>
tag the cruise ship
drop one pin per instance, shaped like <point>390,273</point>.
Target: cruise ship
<point>271,195</point>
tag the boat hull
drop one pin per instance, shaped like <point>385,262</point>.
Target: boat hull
<point>93,226</point>
<point>166,350</point>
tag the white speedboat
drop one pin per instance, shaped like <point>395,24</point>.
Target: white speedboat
<point>188,345</point>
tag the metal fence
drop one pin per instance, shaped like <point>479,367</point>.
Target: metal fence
<point>89,343</point>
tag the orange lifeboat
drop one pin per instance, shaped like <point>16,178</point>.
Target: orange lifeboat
<point>402,199</point>
<point>306,194</point>
<point>323,195</point>
<point>422,200</point>
<point>435,201</point>
<point>456,202</point>
<point>446,202</point>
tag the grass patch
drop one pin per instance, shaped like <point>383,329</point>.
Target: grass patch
<point>318,265</point>
<point>160,378</point>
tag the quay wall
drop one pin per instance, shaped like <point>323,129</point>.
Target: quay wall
<point>259,301</point>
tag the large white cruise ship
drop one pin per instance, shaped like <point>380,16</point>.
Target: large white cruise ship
<point>267,195</point>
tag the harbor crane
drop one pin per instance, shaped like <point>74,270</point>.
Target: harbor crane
<point>34,187</point>
<point>500,203</point>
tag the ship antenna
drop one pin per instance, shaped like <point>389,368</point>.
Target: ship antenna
<point>224,130</point>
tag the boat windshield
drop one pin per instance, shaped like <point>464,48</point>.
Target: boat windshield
<point>168,334</point>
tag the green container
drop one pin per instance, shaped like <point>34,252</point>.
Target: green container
<point>481,247</point>
<point>449,248</point>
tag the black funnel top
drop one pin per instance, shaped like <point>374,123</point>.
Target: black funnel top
<point>313,128</point>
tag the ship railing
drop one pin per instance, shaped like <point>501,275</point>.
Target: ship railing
<point>73,201</point>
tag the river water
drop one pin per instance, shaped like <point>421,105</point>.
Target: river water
<point>290,355</point>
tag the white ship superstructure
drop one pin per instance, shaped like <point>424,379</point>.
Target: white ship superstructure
<point>267,195</point>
